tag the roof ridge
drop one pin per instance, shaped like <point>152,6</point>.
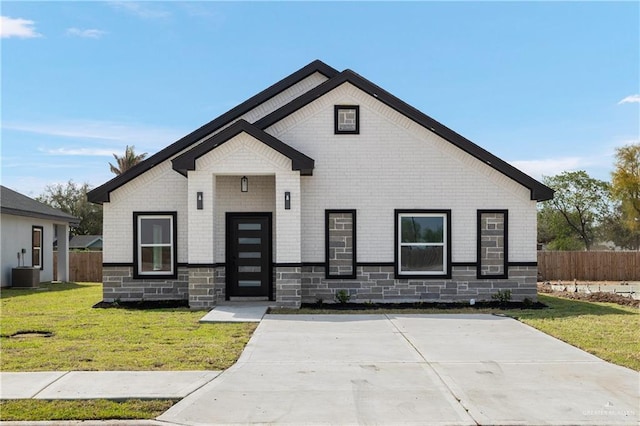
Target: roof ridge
<point>101,193</point>
<point>187,160</point>
<point>539,191</point>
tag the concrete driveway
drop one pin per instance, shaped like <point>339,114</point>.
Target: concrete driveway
<point>411,369</point>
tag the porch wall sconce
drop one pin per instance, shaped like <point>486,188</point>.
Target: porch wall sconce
<point>287,201</point>
<point>199,203</point>
<point>244,184</point>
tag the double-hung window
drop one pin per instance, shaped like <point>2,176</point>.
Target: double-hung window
<point>155,244</point>
<point>423,243</point>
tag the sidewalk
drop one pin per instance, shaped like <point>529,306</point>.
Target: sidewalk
<point>103,384</point>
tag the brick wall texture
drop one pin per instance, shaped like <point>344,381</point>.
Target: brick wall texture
<point>393,163</point>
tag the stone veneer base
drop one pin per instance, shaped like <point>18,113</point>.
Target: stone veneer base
<point>204,287</point>
<point>378,284</point>
<point>118,284</point>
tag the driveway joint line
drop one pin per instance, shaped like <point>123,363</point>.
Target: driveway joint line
<point>446,385</point>
<point>34,396</point>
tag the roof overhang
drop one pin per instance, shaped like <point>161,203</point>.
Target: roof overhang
<point>539,191</point>
<point>60,219</point>
<point>187,161</point>
<point>102,193</point>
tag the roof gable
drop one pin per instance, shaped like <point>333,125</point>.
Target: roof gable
<point>539,191</point>
<point>101,193</point>
<point>187,161</point>
<point>14,203</point>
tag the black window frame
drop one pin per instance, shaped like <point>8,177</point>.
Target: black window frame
<point>447,241</point>
<point>174,247</point>
<point>505,275</point>
<point>354,272</point>
<point>41,248</point>
<point>336,110</point>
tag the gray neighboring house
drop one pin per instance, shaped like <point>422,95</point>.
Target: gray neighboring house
<point>86,242</point>
<point>29,227</point>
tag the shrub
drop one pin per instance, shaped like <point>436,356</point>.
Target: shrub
<point>502,296</point>
<point>342,296</point>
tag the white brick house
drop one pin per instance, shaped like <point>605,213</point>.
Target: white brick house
<point>322,182</point>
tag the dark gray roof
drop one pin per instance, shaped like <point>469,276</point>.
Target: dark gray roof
<point>14,203</point>
<point>84,241</point>
<point>187,161</point>
<point>539,191</point>
<point>101,193</point>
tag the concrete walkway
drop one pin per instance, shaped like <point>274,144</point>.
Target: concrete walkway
<point>411,369</point>
<point>103,384</point>
<point>237,312</point>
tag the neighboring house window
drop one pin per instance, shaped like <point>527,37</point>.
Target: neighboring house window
<point>423,243</point>
<point>36,247</point>
<point>155,244</point>
<point>347,119</point>
<point>340,244</point>
<point>492,243</point>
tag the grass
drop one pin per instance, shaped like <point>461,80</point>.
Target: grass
<point>606,330</point>
<point>89,339</point>
<point>84,338</point>
<point>96,409</point>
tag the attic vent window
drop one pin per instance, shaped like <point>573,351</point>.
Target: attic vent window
<point>347,119</point>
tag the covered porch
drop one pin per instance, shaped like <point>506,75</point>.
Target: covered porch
<point>244,218</point>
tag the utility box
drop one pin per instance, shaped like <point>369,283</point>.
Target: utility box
<point>25,277</point>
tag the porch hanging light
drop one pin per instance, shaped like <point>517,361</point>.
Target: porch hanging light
<point>244,184</point>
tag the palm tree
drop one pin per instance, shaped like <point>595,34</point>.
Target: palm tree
<point>127,161</point>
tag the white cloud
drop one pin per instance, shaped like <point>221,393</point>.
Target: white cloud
<point>144,137</point>
<point>631,99</point>
<point>88,33</point>
<point>79,151</point>
<point>142,10</point>
<point>17,27</point>
<point>550,166</point>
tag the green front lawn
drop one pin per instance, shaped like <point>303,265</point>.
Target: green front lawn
<point>86,338</point>
<point>33,410</point>
<point>606,330</point>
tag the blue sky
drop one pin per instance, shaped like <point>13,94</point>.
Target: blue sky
<point>547,86</point>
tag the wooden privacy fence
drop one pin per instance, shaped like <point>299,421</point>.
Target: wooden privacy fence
<point>589,265</point>
<point>83,266</point>
<point>552,265</point>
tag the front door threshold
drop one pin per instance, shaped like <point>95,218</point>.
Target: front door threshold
<point>249,299</point>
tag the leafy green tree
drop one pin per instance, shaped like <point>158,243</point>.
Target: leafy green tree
<point>615,229</point>
<point>72,198</point>
<point>625,187</point>
<point>127,161</point>
<point>554,231</point>
<point>582,201</point>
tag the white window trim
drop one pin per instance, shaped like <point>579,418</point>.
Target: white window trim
<point>171,245</point>
<point>443,244</point>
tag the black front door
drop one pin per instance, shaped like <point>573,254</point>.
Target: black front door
<point>248,257</point>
